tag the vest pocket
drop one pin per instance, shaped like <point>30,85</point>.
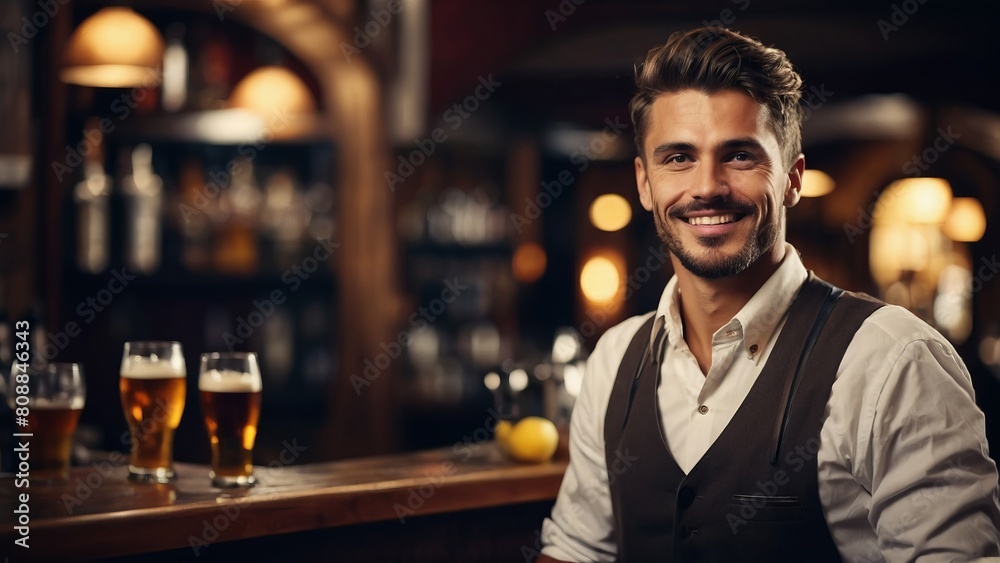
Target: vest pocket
<point>766,508</point>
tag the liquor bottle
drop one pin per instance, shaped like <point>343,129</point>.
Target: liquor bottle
<point>236,249</point>
<point>193,222</point>
<point>175,70</point>
<point>144,193</point>
<point>91,196</point>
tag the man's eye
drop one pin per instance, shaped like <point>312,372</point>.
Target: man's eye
<point>677,159</point>
<point>743,156</point>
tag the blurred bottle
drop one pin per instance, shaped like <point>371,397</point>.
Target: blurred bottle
<point>91,197</point>
<point>285,218</point>
<point>211,75</point>
<point>236,249</point>
<point>144,193</point>
<point>175,69</point>
<point>192,217</point>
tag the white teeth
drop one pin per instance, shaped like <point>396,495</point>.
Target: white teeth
<point>712,219</point>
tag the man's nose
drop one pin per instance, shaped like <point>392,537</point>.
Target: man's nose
<point>709,182</point>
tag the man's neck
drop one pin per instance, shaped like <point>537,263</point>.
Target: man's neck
<point>706,305</point>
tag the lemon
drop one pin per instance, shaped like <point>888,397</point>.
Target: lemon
<point>534,440</point>
<point>502,433</point>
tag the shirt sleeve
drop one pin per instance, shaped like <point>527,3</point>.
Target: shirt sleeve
<point>581,527</point>
<point>934,493</point>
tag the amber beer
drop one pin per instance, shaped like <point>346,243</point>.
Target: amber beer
<point>231,402</point>
<point>153,393</point>
<point>52,426</point>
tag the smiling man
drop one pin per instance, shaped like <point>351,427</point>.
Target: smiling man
<point>761,414</point>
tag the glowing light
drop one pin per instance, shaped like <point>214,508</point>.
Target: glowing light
<point>272,90</point>
<point>966,221</point>
<point>915,200</point>
<point>816,183</point>
<point>492,381</point>
<point>610,212</point>
<point>114,48</point>
<point>529,262</point>
<point>600,280</point>
<point>518,380</point>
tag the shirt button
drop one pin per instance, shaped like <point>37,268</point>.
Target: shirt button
<point>703,409</point>
<point>753,349</point>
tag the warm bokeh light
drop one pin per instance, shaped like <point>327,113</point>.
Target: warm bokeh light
<point>272,90</point>
<point>914,200</point>
<point>600,280</point>
<point>529,262</point>
<point>114,48</point>
<point>966,221</point>
<point>610,212</point>
<point>816,183</point>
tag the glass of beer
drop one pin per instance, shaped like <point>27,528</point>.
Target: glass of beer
<point>229,385</point>
<point>152,385</point>
<point>54,397</point>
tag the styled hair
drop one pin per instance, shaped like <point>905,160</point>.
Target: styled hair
<point>711,59</point>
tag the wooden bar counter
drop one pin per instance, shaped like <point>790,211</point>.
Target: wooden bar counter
<point>453,504</point>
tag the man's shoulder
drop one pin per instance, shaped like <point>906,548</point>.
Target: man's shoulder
<point>617,338</point>
<point>896,326</point>
<point>607,356</point>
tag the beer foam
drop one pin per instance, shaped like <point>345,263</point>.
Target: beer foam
<point>138,367</point>
<point>229,381</point>
<point>75,403</point>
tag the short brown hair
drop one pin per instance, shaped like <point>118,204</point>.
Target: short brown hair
<point>711,59</point>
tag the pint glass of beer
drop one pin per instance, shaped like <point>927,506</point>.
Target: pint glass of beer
<point>229,385</point>
<point>54,397</point>
<point>153,389</point>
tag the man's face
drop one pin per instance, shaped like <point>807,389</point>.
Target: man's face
<point>713,176</point>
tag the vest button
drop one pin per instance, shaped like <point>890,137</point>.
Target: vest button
<point>685,497</point>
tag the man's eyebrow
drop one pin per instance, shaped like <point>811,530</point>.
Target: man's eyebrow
<point>673,147</point>
<point>743,143</point>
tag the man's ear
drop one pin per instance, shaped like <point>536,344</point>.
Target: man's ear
<point>642,182</point>
<point>793,184</point>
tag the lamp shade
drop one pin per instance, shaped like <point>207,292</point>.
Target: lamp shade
<point>271,90</point>
<point>114,48</point>
<point>966,221</point>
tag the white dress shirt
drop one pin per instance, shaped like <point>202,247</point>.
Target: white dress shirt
<point>903,465</point>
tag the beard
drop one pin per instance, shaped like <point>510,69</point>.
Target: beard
<point>710,262</point>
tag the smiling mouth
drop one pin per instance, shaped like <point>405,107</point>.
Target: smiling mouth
<point>715,219</point>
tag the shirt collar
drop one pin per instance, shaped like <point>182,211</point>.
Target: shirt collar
<point>755,323</point>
